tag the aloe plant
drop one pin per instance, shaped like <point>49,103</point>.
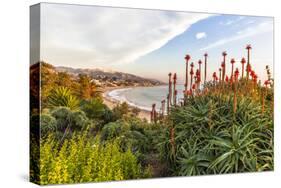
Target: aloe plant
<point>211,138</point>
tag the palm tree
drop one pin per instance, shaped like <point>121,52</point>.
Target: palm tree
<point>64,79</point>
<point>86,87</point>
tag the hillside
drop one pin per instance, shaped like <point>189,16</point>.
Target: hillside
<point>112,78</point>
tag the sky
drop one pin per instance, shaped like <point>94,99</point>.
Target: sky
<point>151,43</point>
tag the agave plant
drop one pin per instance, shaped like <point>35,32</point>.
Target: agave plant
<point>62,96</point>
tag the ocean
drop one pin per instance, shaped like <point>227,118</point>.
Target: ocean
<point>144,97</point>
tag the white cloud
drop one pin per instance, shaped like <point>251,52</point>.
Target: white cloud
<point>232,21</point>
<point>87,36</point>
<point>248,32</point>
<point>201,35</point>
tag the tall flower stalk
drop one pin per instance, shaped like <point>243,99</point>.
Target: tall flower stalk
<point>170,90</point>
<point>205,69</point>
<point>191,74</point>
<point>153,114</point>
<point>235,83</point>
<point>175,90</point>
<point>172,140</point>
<point>248,48</point>
<point>220,75</point>
<point>232,61</point>
<point>263,99</point>
<point>168,104</point>
<point>243,61</point>
<point>163,107</point>
<point>224,54</point>
<point>187,58</point>
<point>199,77</point>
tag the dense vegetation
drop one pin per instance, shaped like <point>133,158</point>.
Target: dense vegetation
<point>81,140</point>
<point>212,139</point>
<point>82,159</point>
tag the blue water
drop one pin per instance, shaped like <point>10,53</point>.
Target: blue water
<point>144,97</point>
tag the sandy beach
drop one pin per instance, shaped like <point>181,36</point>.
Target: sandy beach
<point>111,103</point>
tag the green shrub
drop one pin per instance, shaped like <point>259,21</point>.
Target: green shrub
<point>120,110</point>
<point>111,130</point>
<point>97,112</point>
<point>65,117</point>
<point>48,124</point>
<point>135,134</point>
<point>94,108</point>
<point>84,159</point>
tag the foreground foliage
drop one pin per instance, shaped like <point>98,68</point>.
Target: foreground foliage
<point>212,139</point>
<point>216,130</point>
<point>84,159</point>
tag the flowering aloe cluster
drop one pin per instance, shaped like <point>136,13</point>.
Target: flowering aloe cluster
<point>235,83</point>
<point>224,125</point>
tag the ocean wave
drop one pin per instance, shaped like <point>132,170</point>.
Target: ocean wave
<point>117,95</point>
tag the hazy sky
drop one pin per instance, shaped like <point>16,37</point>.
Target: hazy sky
<point>150,43</point>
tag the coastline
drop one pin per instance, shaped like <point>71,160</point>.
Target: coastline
<point>111,102</point>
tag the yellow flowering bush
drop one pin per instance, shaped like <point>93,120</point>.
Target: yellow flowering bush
<point>85,158</point>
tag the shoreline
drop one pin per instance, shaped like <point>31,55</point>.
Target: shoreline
<point>111,103</point>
